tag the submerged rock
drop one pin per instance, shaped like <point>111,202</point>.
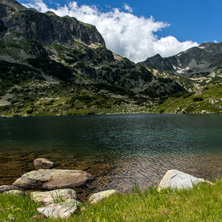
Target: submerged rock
<point>54,196</point>
<point>62,210</point>
<point>101,195</point>
<point>4,188</point>
<point>43,162</point>
<point>178,180</point>
<point>52,179</point>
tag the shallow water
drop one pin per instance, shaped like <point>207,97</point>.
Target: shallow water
<point>119,150</point>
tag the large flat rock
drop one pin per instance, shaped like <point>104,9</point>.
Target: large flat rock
<point>178,180</point>
<point>52,179</point>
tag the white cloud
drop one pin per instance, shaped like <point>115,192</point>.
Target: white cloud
<point>127,8</point>
<point>125,34</point>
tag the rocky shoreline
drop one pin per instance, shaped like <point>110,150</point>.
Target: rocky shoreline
<point>56,188</point>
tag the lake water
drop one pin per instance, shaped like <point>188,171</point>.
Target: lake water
<point>119,150</point>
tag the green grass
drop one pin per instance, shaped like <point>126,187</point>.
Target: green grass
<point>202,203</point>
<point>207,101</point>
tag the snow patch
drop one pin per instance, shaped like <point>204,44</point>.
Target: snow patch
<point>179,70</point>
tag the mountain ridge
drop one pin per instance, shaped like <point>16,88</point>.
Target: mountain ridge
<point>194,62</point>
<point>53,65</point>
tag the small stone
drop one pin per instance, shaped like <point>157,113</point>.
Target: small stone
<point>43,162</point>
<point>178,180</point>
<point>101,195</point>
<point>54,196</point>
<point>60,210</point>
<point>14,192</point>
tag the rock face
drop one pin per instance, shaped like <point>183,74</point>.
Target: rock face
<point>4,188</point>
<point>53,179</point>
<point>178,180</point>
<point>51,197</point>
<point>43,162</point>
<point>62,210</point>
<point>46,28</point>
<point>101,195</point>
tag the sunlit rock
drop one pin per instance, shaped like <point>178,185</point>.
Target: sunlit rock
<point>60,210</point>
<point>14,192</point>
<point>101,195</point>
<point>54,196</point>
<point>178,180</point>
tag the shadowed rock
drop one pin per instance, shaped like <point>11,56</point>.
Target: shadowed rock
<point>4,188</point>
<point>52,179</point>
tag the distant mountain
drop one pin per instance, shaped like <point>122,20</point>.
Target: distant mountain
<point>53,65</point>
<point>201,61</point>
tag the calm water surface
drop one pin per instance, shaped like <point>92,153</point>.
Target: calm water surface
<point>119,150</point>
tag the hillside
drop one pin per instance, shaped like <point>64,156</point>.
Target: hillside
<point>205,100</point>
<point>199,71</point>
<point>51,65</point>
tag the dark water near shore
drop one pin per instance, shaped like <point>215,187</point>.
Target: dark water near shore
<point>119,150</point>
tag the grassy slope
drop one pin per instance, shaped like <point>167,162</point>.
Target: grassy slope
<point>207,100</point>
<point>39,99</point>
<point>203,203</point>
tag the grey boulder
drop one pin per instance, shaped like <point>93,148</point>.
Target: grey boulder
<point>53,196</point>
<point>52,179</point>
<point>60,210</point>
<point>178,180</point>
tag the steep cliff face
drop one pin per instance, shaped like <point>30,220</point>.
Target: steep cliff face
<point>45,49</point>
<point>24,24</point>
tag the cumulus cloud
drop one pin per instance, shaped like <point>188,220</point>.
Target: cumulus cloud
<point>124,33</point>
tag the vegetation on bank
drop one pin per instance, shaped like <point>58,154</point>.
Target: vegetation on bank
<point>34,98</point>
<point>204,100</point>
<point>38,99</point>
<point>202,203</point>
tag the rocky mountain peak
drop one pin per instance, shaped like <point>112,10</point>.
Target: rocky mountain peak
<point>45,28</point>
<point>13,4</point>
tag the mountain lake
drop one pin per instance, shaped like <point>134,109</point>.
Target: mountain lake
<point>120,151</point>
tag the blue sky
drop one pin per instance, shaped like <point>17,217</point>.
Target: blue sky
<point>176,24</point>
